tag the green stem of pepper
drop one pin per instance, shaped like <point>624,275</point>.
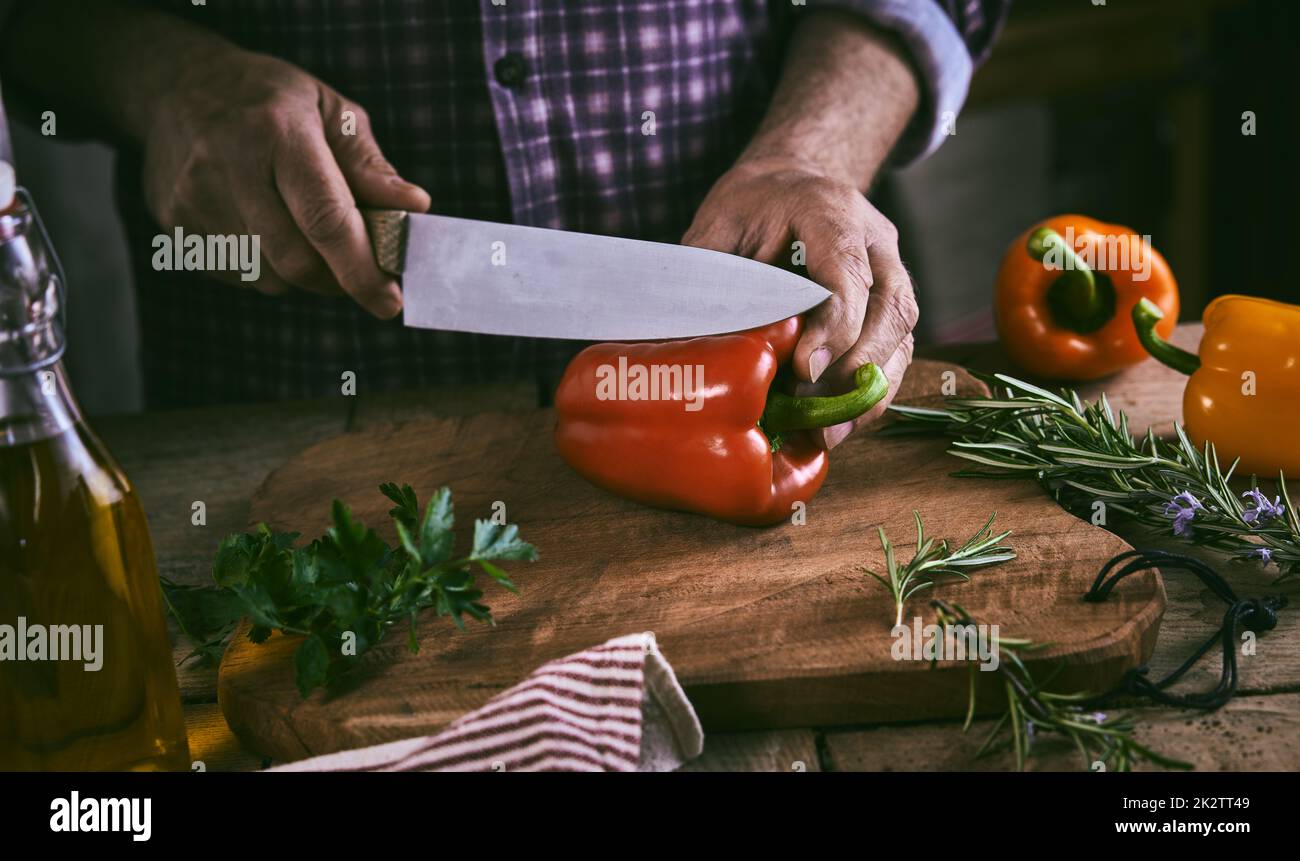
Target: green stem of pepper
<point>1146,314</point>
<point>787,412</point>
<point>1081,299</point>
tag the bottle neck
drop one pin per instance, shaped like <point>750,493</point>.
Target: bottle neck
<point>31,334</point>
<point>36,405</point>
<point>35,399</point>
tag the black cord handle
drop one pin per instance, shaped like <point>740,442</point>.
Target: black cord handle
<point>1243,614</point>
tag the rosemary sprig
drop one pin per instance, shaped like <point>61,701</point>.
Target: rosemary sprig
<point>1085,453</point>
<point>935,559</point>
<point>1031,710</point>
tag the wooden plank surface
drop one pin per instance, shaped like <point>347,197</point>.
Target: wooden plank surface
<point>213,747</point>
<point>216,456</point>
<point>793,750</point>
<point>229,449</point>
<point>765,628</point>
<point>1251,733</point>
<point>396,407</point>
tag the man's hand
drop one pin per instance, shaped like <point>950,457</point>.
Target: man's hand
<point>759,208</point>
<point>254,145</point>
<point>235,142</point>
<point>845,97</point>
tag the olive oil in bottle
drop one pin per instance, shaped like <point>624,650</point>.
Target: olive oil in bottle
<point>87,680</point>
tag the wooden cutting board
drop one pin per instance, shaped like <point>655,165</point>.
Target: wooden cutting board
<point>765,628</point>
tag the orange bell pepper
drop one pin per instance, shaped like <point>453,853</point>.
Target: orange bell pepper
<point>1062,305</point>
<point>1244,391</point>
<point>697,424</point>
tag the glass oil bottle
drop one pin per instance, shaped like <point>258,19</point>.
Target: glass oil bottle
<point>78,581</point>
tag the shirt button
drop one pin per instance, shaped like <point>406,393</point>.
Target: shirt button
<point>510,70</point>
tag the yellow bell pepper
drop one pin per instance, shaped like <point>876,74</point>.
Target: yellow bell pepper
<point>1244,391</point>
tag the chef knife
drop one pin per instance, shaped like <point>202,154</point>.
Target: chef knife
<point>463,275</point>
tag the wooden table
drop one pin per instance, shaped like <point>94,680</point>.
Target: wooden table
<point>218,456</point>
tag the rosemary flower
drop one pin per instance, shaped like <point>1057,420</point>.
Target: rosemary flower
<point>1182,508</point>
<point>1259,510</point>
<point>1263,553</point>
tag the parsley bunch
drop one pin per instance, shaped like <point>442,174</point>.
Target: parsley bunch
<point>344,590</point>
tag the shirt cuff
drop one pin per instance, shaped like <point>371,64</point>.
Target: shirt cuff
<point>939,56</point>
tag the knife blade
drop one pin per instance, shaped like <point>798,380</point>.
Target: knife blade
<point>464,275</point>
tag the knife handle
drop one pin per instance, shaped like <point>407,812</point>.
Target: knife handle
<point>387,229</point>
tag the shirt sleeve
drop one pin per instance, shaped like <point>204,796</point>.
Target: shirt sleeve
<point>945,40</point>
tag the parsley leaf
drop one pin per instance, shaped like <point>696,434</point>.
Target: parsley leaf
<point>344,590</point>
<point>205,617</point>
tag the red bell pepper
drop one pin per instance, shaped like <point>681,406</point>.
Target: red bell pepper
<point>696,425</point>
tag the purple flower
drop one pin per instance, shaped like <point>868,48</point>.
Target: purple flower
<point>1182,508</point>
<point>1259,510</point>
<point>1264,553</point>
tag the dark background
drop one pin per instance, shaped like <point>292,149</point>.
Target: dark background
<point>1130,112</point>
<point>1147,107</point>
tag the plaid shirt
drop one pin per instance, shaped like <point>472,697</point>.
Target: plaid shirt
<point>527,112</point>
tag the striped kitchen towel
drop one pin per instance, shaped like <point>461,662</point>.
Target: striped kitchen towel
<point>615,707</point>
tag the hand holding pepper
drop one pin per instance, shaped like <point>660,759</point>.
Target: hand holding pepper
<point>847,92</point>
